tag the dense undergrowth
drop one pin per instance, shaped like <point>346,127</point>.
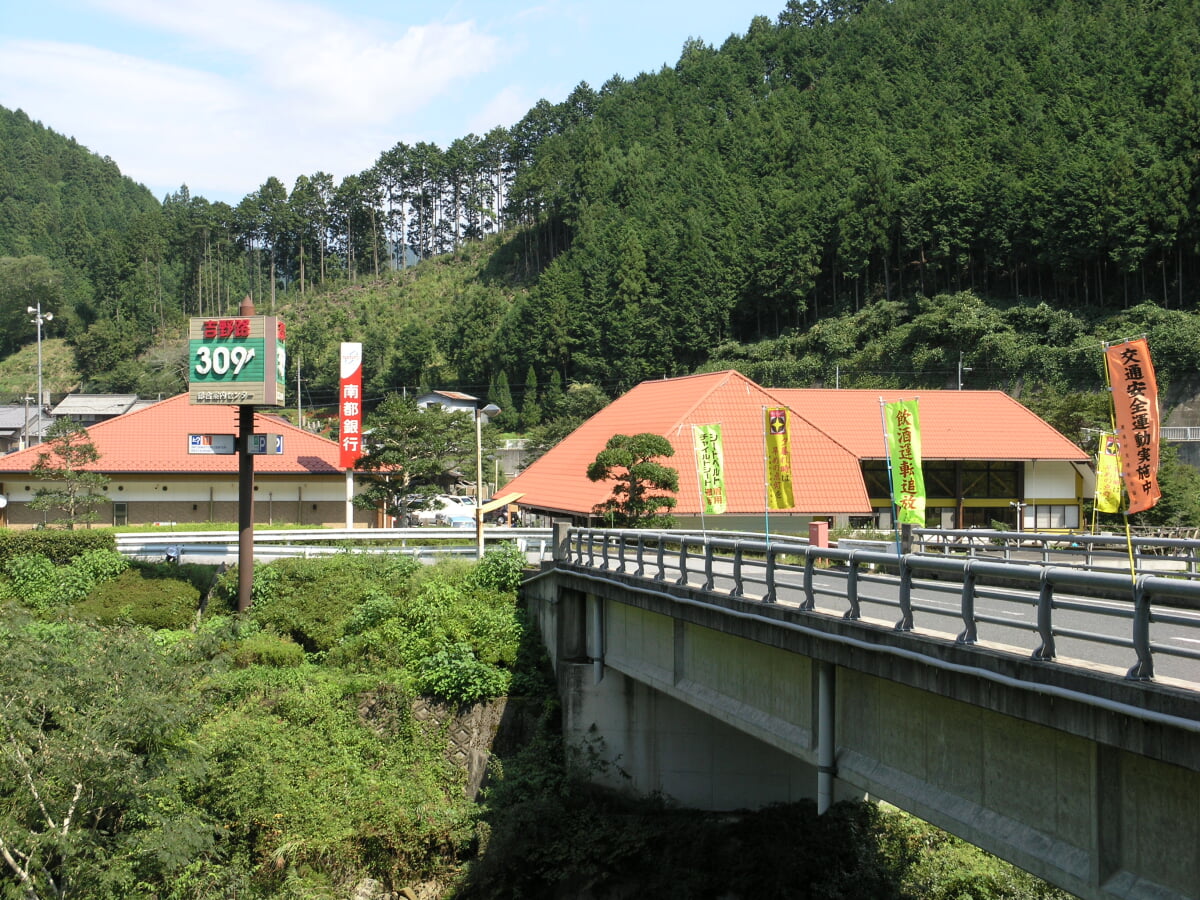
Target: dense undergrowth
<point>151,750</point>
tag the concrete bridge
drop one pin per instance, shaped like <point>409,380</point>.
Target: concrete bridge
<point>715,672</point>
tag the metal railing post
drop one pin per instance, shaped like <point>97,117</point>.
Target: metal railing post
<point>708,565</point>
<point>641,555</point>
<point>1144,669</point>
<point>662,567</point>
<point>810,600</point>
<point>853,612</point>
<point>738,586</point>
<point>771,594</point>
<point>1045,619</point>
<point>683,560</point>
<point>906,616</point>
<point>968,634</point>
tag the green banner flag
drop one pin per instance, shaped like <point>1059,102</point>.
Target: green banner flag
<point>902,422</point>
<point>710,467</point>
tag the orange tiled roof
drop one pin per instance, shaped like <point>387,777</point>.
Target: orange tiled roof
<point>154,439</point>
<point>954,424</point>
<point>825,475</point>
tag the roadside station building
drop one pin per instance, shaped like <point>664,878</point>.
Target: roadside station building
<point>986,458</point>
<point>160,474</point>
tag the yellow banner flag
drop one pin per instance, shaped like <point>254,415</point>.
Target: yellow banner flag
<point>903,424</point>
<point>779,459</point>
<point>710,467</point>
<point>1108,474</point>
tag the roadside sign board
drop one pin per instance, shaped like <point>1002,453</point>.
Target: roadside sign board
<point>237,361</point>
<point>212,444</point>
<point>260,444</point>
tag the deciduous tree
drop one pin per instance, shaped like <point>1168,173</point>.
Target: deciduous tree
<point>412,453</point>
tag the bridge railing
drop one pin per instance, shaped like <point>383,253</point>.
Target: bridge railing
<point>1097,552</point>
<point>424,543</point>
<point>1063,601</point>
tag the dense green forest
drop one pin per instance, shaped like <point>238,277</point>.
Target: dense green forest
<point>860,193</point>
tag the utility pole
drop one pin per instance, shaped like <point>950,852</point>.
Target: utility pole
<point>299,406</point>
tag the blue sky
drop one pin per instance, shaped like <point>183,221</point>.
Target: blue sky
<point>222,94</point>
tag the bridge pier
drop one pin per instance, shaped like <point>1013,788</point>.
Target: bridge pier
<point>642,740</point>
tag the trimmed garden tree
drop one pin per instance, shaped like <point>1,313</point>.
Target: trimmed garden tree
<point>643,486</point>
<point>67,484</point>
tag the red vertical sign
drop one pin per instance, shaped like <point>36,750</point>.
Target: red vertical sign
<point>350,405</point>
<point>1135,405</point>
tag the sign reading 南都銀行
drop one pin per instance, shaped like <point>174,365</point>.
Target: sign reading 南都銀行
<point>237,360</point>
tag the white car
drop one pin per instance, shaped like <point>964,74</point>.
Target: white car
<point>442,507</point>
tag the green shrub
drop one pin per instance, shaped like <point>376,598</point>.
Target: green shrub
<point>142,596</point>
<point>101,564</point>
<point>457,675</point>
<point>59,546</point>
<point>312,600</point>
<point>501,569</point>
<point>266,649</point>
<point>40,584</point>
<point>376,608</point>
<point>31,580</point>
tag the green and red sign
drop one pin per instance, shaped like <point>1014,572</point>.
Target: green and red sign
<point>237,360</point>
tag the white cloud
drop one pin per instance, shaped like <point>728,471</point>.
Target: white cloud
<point>325,65</point>
<point>506,108</point>
<point>300,79</point>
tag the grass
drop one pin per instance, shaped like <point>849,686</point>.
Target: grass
<point>18,372</point>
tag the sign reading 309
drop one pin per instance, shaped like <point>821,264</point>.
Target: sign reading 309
<point>243,352</point>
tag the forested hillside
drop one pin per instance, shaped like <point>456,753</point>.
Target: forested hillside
<point>857,193</point>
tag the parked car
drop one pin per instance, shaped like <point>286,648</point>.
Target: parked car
<point>441,507</point>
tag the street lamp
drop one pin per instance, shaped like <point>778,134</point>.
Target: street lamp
<point>490,410</point>
<point>1018,506</point>
<point>961,369</point>
<point>39,317</point>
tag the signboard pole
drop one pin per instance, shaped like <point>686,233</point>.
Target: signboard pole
<point>245,495</point>
<point>245,507</point>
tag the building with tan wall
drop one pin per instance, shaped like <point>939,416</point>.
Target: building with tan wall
<point>159,473</point>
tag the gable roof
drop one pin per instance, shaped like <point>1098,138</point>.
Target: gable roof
<point>825,475</point>
<point>154,439</point>
<point>95,405</point>
<point>954,424</point>
<point>14,417</point>
<point>437,396</point>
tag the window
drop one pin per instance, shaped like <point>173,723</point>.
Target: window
<point>1051,516</point>
<point>120,514</point>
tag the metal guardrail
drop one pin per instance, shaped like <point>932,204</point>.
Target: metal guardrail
<point>757,569</point>
<point>423,543</point>
<point>1180,433</point>
<point>1094,552</point>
